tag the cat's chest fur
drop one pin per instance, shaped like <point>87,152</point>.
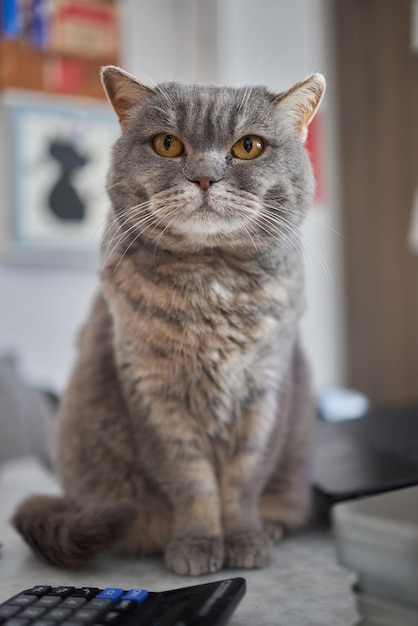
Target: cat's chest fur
<point>211,335</point>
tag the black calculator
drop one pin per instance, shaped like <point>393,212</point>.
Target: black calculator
<point>210,604</point>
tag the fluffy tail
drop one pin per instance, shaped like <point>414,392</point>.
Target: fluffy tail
<point>67,537</point>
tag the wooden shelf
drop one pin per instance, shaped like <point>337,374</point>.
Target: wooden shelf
<point>23,67</point>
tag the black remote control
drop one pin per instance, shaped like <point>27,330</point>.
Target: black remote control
<point>210,604</point>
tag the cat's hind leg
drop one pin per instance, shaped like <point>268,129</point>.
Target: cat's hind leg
<point>96,456</point>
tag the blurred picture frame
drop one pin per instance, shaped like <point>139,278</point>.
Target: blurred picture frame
<point>56,156</point>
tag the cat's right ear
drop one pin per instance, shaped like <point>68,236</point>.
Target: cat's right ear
<point>122,90</point>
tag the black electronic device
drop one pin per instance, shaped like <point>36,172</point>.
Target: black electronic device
<point>368,455</point>
<point>209,604</point>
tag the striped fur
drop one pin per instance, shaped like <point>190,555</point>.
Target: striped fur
<point>186,426</point>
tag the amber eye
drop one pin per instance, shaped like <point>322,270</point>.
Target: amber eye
<point>168,145</point>
<point>248,147</point>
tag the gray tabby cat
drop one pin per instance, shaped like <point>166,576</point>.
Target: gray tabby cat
<point>186,426</point>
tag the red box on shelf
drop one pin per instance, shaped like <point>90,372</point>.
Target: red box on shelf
<point>84,29</point>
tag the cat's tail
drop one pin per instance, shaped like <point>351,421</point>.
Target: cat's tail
<point>67,537</point>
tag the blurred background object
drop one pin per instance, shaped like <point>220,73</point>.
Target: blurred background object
<point>377,73</point>
<point>57,45</point>
<point>27,416</point>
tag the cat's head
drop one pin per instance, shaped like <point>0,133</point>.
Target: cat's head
<point>199,166</point>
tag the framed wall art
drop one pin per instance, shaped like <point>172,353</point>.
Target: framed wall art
<point>58,155</point>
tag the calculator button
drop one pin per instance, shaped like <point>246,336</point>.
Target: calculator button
<point>85,616</point>
<point>63,592</point>
<point>73,603</point>
<point>32,612</point>
<point>44,622</point>
<point>125,605</point>
<point>8,610</point>
<point>99,603</point>
<point>23,600</point>
<point>112,617</point>
<point>57,615</point>
<point>111,593</point>
<point>39,590</point>
<point>16,621</point>
<point>137,595</point>
<point>49,601</point>
<point>86,592</point>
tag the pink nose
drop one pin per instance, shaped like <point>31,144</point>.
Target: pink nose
<point>204,182</point>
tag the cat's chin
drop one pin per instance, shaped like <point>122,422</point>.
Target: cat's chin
<point>204,226</point>
<point>207,219</point>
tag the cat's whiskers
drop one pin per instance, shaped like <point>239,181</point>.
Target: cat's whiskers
<point>289,243</point>
<point>113,185</point>
<point>308,248</point>
<point>309,244</point>
<point>120,237</point>
<point>116,222</point>
<point>157,241</point>
<point>246,96</point>
<point>132,208</point>
<point>120,225</point>
<point>167,117</point>
<point>322,224</point>
<point>153,214</point>
<point>280,206</point>
<point>275,227</point>
<point>245,227</point>
<point>138,235</point>
<point>160,220</point>
<point>164,94</point>
<point>320,258</point>
<point>122,213</point>
<point>158,88</point>
<point>309,217</point>
<point>278,219</point>
<point>134,226</point>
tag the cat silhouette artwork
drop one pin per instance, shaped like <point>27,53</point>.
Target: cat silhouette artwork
<point>64,200</point>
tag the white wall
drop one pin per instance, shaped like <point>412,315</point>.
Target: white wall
<point>41,310</point>
<point>275,42</point>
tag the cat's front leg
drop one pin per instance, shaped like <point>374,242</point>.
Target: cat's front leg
<point>197,545</point>
<point>242,479</point>
<point>285,502</point>
<point>180,467</point>
<point>246,543</point>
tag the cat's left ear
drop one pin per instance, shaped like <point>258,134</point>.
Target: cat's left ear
<point>122,90</point>
<point>301,102</point>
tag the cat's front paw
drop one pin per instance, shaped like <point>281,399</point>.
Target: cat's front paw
<point>248,549</point>
<point>195,555</point>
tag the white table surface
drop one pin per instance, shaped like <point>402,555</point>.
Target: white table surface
<point>303,585</point>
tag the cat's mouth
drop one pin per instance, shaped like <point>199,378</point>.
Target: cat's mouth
<point>208,219</point>
<point>215,212</point>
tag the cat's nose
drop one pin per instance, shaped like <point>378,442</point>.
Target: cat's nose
<point>204,182</point>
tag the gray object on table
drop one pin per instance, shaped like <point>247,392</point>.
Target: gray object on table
<point>26,416</point>
<point>377,538</point>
